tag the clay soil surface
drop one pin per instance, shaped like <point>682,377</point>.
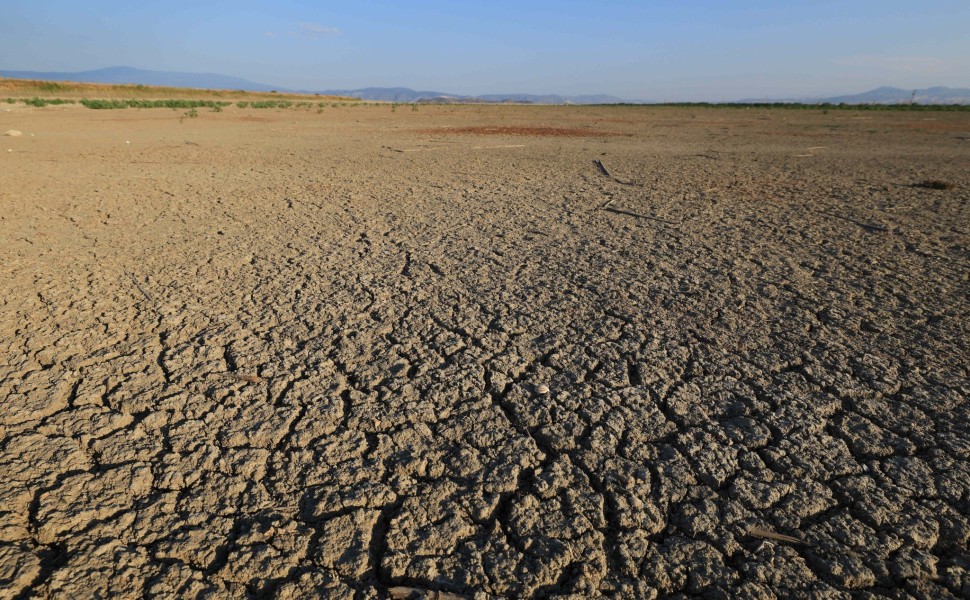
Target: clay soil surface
<point>283,353</point>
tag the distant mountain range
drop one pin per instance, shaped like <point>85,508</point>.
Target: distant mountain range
<point>887,95</point>
<point>210,81</point>
<point>892,95</point>
<point>213,81</point>
<point>401,94</point>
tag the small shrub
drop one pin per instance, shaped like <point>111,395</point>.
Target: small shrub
<point>242,104</point>
<point>192,113</point>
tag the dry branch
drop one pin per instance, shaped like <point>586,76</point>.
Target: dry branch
<point>638,215</point>
<point>863,224</point>
<point>141,289</point>
<point>602,169</point>
<point>771,535</point>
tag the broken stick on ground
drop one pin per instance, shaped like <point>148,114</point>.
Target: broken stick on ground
<point>602,168</point>
<point>638,215</point>
<point>779,537</point>
<point>863,224</point>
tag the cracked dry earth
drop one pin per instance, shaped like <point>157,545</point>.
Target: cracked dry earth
<point>285,354</point>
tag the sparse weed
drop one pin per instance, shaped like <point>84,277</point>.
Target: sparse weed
<point>242,104</point>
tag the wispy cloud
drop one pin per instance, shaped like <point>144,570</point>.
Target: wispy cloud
<point>898,64</point>
<point>315,30</point>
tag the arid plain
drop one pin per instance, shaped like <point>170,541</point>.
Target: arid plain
<point>369,352</point>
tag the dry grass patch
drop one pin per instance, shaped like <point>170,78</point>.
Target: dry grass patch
<point>29,88</point>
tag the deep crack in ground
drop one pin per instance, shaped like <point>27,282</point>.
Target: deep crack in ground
<point>313,366</point>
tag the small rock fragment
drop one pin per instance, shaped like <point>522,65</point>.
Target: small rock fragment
<point>542,389</point>
<point>13,133</point>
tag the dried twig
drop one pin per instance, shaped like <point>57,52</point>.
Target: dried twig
<point>247,377</point>
<point>771,535</point>
<point>410,593</point>
<point>934,184</point>
<point>863,224</point>
<point>140,289</point>
<point>602,169</point>
<point>639,216</point>
<point>234,376</point>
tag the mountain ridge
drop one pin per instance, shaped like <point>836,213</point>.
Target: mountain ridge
<point>132,75</point>
<point>886,95</point>
<point>122,75</point>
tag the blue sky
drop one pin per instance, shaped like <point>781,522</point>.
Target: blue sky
<point>688,50</point>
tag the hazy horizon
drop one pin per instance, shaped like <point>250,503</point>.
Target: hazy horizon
<point>632,50</point>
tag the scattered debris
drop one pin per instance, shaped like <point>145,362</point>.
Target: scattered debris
<point>778,537</point>
<point>934,184</point>
<point>602,168</point>
<point>13,133</point>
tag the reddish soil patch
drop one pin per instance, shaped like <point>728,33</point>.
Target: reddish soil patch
<point>527,131</point>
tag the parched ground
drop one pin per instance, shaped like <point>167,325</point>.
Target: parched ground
<point>293,354</point>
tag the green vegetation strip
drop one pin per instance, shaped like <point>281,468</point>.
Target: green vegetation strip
<point>42,101</point>
<point>108,104</point>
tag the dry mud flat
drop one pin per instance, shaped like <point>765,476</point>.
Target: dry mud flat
<point>296,354</point>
